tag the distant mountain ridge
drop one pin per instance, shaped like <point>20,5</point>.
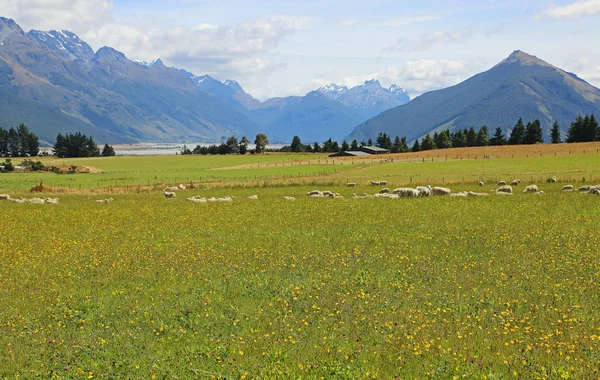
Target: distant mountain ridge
<point>522,85</point>
<point>54,82</point>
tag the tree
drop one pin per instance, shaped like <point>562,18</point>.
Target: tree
<point>483,137</point>
<point>108,151</point>
<point>443,140</point>
<point>416,146</point>
<point>370,142</point>
<point>498,138</point>
<point>396,146</point>
<point>297,146</point>
<point>555,134</point>
<point>517,136</point>
<point>184,150</point>
<point>345,147</point>
<point>354,145</point>
<point>233,146</point>
<point>472,137</point>
<point>459,139</point>
<point>75,145</point>
<point>3,142</point>
<point>261,142</point>
<point>428,143</point>
<point>404,145</point>
<point>244,142</point>
<point>316,147</point>
<point>533,133</point>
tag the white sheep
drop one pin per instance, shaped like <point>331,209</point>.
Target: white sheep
<point>424,191</point>
<point>506,189</point>
<point>288,198</point>
<point>103,201</point>
<point>4,197</point>
<point>539,193</point>
<point>196,200</point>
<point>384,191</point>
<point>181,186</point>
<point>253,197</point>
<point>462,194</point>
<point>481,184</point>
<point>553,179</point>
<point>584,189</point>
<point>314,192</point>
<point>170,195</point>
<point>406,192</point>
<point>567,188</point>
<point>516,182</point>
<point>441,191</point>
<point>351,184</point>
<point>501,183</point>
<point>375,183</point>
<point>594,191</point>
<point>473,194</point>
<point>503,193</point>
<point>54,201</point>
<point>531,189</point>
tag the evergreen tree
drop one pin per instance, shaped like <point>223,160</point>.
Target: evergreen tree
<point>517,136</point>
<point>75,145</point>
<point>297,146</point>
<point>428,143</point>
<point>362,143</point>
<point>593,129</point>
<point>345,147</point>
<point>471,137</point>
<point>354,145</point>
<point>404,145</point>
<point>443,140</point>
<point>396,146</point>
<point>483,137</point>
<point>459,139</point>
<point>575,134</point>
<point>370,142</point>
<point>316,147</point>
<point>3,142</point>
<point>335,147</point>
<point>327,145</point>
<point>533,133</point>
<point>498,138</point>
<point>108,151</point>
<point>555,134</point>
<point>416,146</point>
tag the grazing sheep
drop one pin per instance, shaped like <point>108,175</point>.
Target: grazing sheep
<point>503,193</point>
<point>317,195</point>
<point>516,182</point>
<point>351,184</point>
<point>103,201</point>
<point>287,198</point>
<point>314,192</point>
<point>553,179</point>
<point>441,191</point>
<point>462,194</point>
<point>539,193</point>
<point>393,196</point>
<point>169,195</point>
<point>196,200</point>
<point>506,189</point>
<point>181,186</point>
<point>172,189</point>
<point>225,199</point>
<point>327,193</point>
<point>424,191</point>
<point>4,197</point>
<point>473,194</point>
<point>531,189</point>
<point>567,188</point>
<point>594,191</point>
<point>335,195</point>
<point>383,183</point>
<point>375,183</point>
<point>36,201</point>
<point>384,191</point>
<point>481,184</point>
<point>406,192</point>
<point>584,189</point>
<point>501,183</point>
<point>253,197</point>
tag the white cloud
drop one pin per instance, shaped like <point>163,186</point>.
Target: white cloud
<point>575,9</point>
<point>427,40</point>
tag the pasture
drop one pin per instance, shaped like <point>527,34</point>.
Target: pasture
<point>145,287</point>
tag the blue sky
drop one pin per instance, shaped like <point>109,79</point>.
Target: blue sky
<point>289,47</point>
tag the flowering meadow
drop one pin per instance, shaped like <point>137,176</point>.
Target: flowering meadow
<point>145,287</point>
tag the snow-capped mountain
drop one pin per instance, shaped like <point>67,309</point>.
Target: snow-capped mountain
<point>368,99</point>
<point>66,43</point>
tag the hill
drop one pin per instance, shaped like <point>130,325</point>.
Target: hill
<point>520,86</point>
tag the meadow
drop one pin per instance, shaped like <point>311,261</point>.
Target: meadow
<point>145,287</point>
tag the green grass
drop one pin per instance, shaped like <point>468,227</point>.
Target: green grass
<point>334,288</point>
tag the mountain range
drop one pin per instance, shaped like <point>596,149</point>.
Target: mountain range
<point>54,82</point>
<point>520,86</point>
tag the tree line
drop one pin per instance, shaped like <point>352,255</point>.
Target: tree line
<point>78,144</point>
<point>19,142</point>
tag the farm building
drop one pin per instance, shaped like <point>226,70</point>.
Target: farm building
<point>350,153</point>
<point>373,150</point>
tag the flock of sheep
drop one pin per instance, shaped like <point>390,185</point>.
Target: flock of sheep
<point>37,201</point>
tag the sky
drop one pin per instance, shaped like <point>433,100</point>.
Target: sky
<point>289,47</point>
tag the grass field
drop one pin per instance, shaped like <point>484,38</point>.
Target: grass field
<point>144,287</point>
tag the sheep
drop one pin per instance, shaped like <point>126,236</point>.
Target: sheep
<point>172,189</point>
<point>335,195</point>
<point>473,194</point>
<point>314,192</point>
<point>16,200</point>
<point>317,196</point>
<point>4,197</point>
<point>594,191</point>
<point>351,184</point>
<point>503,193</point>
<point>169,195</point>
<point>462,194</point>
<point>374,183</point>
<point>253,197</point>
<point>288,198</point>
<point>516,182</point>
<point>384,191</point>
<point>553,179</point>
<point>379,183</point>
<point>539,193</point>
<point>567,188</point>
<point>405,192</point>
<point>481,184</point>
<point>225,199</point>
<point>37,201</point>
<point>584,189</point>
<point>531,189</point>
<point>196,200</point>
<point>327,193</point>
<point>424,191</point>
<point>211,199</point>
<point>181,186</point>
<point>54,201</point>
<point>441,191</point>
<point>507,189</point>
<point>501,183</point>
<point>103,201</point>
